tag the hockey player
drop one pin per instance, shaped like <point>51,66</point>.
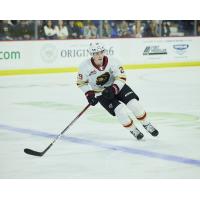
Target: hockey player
<point>103,80</point>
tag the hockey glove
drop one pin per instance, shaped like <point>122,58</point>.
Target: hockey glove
<point>110,92</point>
<point>90,95</point>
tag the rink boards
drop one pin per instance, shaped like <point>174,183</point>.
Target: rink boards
<point>58,56</point>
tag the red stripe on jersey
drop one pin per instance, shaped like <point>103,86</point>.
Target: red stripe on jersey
<point>141,118</point>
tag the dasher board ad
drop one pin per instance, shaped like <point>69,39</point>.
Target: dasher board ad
<point>70,53</point>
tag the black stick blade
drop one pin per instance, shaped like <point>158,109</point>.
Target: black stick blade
<point>33,153</point>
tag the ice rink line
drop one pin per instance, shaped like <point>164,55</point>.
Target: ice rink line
<point>128,150</point>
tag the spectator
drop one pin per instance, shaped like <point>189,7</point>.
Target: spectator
<point>74,31</point>
<point>114,29</point>
<point>79,26</point>
<point>24,30</point>
<point>130,28</point>
<point>150,29</point>
<point>5,30</point>
<point>198,28</point>
<point>90,31</point>
<point>165,29</point>
<point>123,29</point>
<point>188,27</point>
<point>49,30</point>
<point>1,29</point>
<point>93,29</point>
<point>106,30</point>
<point>40,25</point>
<point>138,29</point>
<point>96,23</point>
<point>61,30</point>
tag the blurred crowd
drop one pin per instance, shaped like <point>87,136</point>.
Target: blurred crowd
<point>89,29</point>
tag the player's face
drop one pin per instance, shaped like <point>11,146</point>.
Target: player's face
<point>98,57</point>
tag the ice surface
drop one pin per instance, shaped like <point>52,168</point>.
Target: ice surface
<point>35,108</point>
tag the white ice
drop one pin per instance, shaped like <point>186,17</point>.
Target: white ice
<point>97,146</point>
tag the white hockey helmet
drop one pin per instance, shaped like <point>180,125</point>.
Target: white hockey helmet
<point>95,47</point>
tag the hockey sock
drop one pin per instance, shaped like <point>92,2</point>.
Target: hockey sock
<point>138,111</point>
<point>124,118</point>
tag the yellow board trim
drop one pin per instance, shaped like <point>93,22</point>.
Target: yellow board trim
<point>163,65</point>
<point>36,71</point>
<point>75,69</point>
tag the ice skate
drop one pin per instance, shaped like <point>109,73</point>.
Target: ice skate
<point>136,133</point>
<point>151,129</point>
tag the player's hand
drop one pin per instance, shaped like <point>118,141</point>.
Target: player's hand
<point>92,100</point>
<point>110,92</point>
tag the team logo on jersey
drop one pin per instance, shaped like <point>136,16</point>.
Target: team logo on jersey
<point>92,72</point>
<point>102,79</point>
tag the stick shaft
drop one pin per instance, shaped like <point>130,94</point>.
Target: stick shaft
<point>71,122</point>
<point>36,153</point>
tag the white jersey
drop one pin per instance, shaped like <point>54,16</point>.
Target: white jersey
<point>92,77</point>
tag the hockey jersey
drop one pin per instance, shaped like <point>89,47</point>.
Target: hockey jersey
<point>92,77</point>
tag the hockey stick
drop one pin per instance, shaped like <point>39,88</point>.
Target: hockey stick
<point>36,153</point>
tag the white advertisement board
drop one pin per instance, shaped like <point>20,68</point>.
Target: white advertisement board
<point>70,53</point>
